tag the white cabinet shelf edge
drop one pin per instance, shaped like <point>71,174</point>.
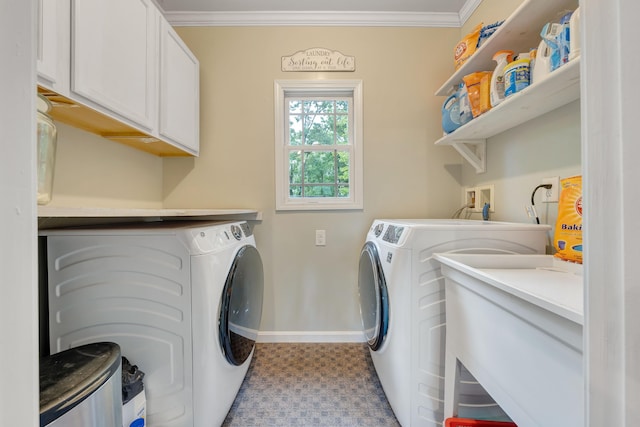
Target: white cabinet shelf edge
<point>557,89</point>
<point>53,217</point>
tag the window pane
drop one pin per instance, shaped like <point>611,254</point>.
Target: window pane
<point>295,106</point>
<point>295,191</point>
<point>319,130</point>
<point>295,130</point>
<point>318,106</point>
<point>319,167</point>
<point>343,167</point>
<point>342,106</point>
<point>342,130</point>
<point>319,191</point>
<point>295,167</point>
<point>343,191</point>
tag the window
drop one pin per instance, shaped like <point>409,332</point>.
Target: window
<point>318,144</point>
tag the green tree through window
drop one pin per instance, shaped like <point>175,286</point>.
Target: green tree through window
<point>319,147</point>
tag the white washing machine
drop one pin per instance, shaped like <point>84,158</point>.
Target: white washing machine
<point>402,303</point>
<point>183,301</point>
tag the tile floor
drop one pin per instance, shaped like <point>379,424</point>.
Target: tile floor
<point>293,384</point>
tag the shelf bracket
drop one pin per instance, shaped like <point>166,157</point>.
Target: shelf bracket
<point>474,152</point>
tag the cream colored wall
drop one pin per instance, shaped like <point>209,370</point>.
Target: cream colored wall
<point>309,288</point>
<point>95,172</point>
<point>519,158</point>
<point>490,11</point>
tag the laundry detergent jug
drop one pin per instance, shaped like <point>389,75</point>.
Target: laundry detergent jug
<point>451,113</point>
<point>542,65</point>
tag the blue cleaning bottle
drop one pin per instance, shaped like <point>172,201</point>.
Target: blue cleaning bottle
<point>564,39</point>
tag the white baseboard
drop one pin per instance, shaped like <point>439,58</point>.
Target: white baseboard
<point>310,336</point>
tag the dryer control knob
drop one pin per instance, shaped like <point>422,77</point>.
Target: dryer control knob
<point>378,230</point>
<point>236,231</point>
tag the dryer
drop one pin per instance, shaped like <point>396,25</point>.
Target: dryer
<point>182,300</point>
<point>402,305</point>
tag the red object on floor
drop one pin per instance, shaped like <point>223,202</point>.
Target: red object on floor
<point>465,422</point>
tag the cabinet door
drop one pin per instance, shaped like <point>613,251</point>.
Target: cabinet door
<point>179,91</point>
<point>53,44</point>
<point>113,57</point>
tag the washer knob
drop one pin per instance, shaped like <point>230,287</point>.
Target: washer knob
<point>378,229</point>
<point>236,231</point>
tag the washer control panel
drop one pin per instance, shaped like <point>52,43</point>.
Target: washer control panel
<point>236,232</point>
<point>393,234</point>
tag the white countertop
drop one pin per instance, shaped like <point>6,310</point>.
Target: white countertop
<point>51,217</point>
<point>543,280</point>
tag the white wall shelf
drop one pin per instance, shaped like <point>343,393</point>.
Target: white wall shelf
<point>557,89</point>
<point>53,217</point>
<point>519,32</point>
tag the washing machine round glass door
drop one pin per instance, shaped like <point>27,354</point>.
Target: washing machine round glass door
<point>241,306</point>
<point>374,301</point>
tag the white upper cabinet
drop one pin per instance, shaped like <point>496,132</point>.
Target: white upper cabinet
<point>113,57</point>
<point>179,91</point>
<point>53,44</point>
<point>117,69</point>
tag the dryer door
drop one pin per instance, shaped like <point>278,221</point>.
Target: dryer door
<point>374,301</point>
<point>241,306</point>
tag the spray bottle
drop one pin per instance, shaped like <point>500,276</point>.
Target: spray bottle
<point>564,39</point>
<point>551,36</point>
<point>502,57</point>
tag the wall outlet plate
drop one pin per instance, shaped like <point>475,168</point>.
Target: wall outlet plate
<point>485,194</point>
<point>551,195</point>
<point>476,197</point>
<point>470,197</point>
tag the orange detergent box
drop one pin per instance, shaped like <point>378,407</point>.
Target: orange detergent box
<point>466,422</point>
<point>567,237</point>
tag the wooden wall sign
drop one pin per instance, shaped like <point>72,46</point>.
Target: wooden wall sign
<point>318,59</point>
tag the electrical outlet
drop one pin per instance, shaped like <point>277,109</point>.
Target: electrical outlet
<point>485,194</point>
<point>321,238</point>
<point>550,195</point>
<point>531,211</point>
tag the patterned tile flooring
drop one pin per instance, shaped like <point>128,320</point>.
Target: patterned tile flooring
<point>328,385</point>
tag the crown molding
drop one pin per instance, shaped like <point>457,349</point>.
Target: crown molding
<point>467,10</point>
<point>315,18</point>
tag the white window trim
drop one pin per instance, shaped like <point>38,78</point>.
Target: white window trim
<point>283,202</point>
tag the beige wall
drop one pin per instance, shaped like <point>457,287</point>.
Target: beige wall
<point>95,172</point>
<point>490,11</point>
<point>311,288</point>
